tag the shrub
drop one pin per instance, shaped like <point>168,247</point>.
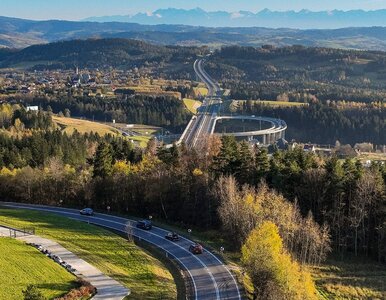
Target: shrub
<point>32,293</point>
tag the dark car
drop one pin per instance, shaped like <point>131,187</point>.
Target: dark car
<point>172,236</point>
<point>144,224</point>
<point>87,212</point>
<point>196,248</point>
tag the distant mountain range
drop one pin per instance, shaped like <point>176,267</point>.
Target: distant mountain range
<point>303,19</point>
<point>20,33</point>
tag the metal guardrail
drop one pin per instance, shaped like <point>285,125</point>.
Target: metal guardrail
<point>15,232</point>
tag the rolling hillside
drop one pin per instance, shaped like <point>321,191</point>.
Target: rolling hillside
<point>97,53</point>
<point>20,33</point>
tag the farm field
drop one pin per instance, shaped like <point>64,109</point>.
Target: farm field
<point>21,265</point>
<point>147,277</point>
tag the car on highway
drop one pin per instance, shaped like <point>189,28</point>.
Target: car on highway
<point>87,212</point>
<point>196,248</point>
<point>144,224</point>
<point>172,236</point>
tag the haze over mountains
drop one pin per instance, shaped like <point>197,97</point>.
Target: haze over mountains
<point>21,33</point>
<point>303,19</point>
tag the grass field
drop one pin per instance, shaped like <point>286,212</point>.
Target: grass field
<point>143,129</point>
<point>192,105</point>
<point>145,276</point>
<point>69,125</point>
<point>354,279</point>
<point>21,265</point>
<point>200,91</point>
<point>142,140</point>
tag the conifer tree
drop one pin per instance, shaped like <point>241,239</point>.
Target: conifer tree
<point>103,160</point>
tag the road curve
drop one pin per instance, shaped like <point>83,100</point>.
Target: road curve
<point>210,277</point>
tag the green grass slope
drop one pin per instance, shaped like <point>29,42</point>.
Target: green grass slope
<point>21,265</point>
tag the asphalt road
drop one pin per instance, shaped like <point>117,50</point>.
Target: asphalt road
<point>201,125</point>
<point>210,277</point>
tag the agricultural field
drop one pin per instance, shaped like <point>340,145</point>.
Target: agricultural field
<point>69,125</point>
<point>21,265</point>
<point>147,277</point>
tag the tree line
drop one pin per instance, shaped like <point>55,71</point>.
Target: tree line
<point>327,74</point>
<point>326,123</point>
<point>166,112</point>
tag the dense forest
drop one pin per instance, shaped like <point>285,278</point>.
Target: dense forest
<point>161,111</point>
<point>326,123</point>
<point>300,72</point>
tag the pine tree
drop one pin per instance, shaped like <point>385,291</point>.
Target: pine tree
<point>262,165</point>
<point>227,162</point>
<point>103,160</point>
<point>246,168</point>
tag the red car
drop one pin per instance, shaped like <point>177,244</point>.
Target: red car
<point>196,248</point>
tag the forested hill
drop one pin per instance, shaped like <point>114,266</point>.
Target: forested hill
<point>97,53</point>
<point>300,73</point>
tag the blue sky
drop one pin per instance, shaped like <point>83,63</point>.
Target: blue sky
<point>78,9</point>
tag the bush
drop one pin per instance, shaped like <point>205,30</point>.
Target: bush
<point>32,293</point>
<point>85,290</point>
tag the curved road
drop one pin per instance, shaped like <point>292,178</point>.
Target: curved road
<point>210,277</point>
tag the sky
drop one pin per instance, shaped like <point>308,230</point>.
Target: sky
<point>79,9</point>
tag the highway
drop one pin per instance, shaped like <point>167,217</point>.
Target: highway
<point>211,279</point>
<point>200,127</point>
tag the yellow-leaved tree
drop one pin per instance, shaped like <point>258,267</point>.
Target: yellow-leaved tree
<point>273,273</point>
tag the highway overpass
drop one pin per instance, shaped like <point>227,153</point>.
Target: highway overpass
<point>202,125</point>
<point>266,136</point>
